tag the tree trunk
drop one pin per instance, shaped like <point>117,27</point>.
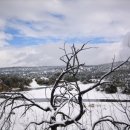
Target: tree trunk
<point>54,128</point>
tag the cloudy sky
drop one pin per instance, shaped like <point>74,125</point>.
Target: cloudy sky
<point>32,31</point>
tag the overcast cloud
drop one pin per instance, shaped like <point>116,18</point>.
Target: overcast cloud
<point>31,32</point>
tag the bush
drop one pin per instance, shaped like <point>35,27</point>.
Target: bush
<point>42,81</point>
<point>53,78</point>
<point>110,88</point>
<point>15,82</point>
<point>107,88</point>
<point>70,78</point>
<point>85,82</point>
<point>126,90</point>
<point>83,79</point>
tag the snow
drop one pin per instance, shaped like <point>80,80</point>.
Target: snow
<point>94,110</point>
<point>45,78</point>
<point>93,94</point>
<point>34,84</point>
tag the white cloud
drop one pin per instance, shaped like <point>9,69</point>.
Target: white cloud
<point>125,47</point>
<point>49,54</point>
<point>79,18</point>
<point>86,17</point>
<point>3,38</point>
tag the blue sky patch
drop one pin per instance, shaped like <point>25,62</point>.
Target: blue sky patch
<point>12,31</point>
<point>23,41</point>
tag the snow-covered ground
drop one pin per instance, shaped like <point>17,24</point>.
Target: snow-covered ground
<point>93,94</point>
<point>94,110</point>
<point>34,84</point>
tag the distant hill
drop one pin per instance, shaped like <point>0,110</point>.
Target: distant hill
<point>40,70</point>
<point>106,67</point>
<point>29,70</point>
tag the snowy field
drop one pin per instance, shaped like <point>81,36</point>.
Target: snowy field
<point>94,110</point>
<point>45,93</point>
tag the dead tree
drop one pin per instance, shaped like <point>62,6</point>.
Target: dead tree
<point>63,95</point>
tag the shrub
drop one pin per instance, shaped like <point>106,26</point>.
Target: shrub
<point>70,78</point>
<point>15,81</point>
<point>110,88</point>
<point>42,81</point>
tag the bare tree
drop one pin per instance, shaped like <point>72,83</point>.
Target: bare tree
<point>64,95</point>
